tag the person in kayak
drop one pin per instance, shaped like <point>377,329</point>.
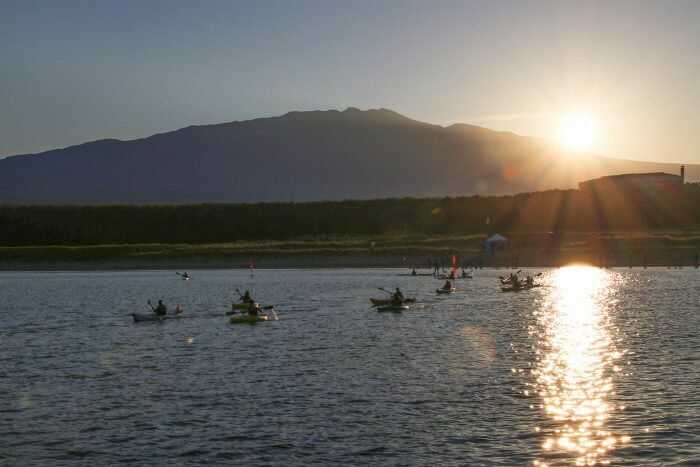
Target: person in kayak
<point>447,286</point>
<point>529,281</point>
<point>178,309</point>
<point>515,282</point>
<point>161,309</point>
<point>246,297</point>
<point>414,273</point>
<point>253,309</point>
<point>397,298</point>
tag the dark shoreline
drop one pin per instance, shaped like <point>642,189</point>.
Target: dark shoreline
<point>613,249</point>
<point>311,261</point>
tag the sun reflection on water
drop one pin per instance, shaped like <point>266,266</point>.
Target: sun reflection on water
<point>575,362</point>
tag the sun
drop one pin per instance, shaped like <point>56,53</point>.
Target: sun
<point>578,131</point>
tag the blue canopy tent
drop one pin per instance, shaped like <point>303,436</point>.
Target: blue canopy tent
<point>495,242</point>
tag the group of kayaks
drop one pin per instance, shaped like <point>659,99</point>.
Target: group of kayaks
<point>452,275</point>
<point>237,316</point>
<point>397,302</point>
<point>513,283</point>
<point>246,312</point>
<point>250,312</point>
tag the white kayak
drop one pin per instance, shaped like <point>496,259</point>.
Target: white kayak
<point>393,308</point>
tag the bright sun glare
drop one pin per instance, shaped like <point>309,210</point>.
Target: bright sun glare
<point>578,131</point>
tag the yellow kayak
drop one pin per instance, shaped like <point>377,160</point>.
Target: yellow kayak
<point>248,319</point>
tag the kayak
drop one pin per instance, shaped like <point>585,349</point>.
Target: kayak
<point>388,301</point>
<point>143,317</point>
<point>444,291</point>
<point>517,289</point>
<point>140,317</point>
<point>243,308</point>
<point>247,319</point>
<point>394,308</point>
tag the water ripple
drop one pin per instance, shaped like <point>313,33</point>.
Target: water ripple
<point>602,363</point>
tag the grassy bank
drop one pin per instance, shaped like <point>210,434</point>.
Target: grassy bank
<point>533,249</point>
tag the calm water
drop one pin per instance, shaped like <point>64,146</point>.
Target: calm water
<point>595,367</point>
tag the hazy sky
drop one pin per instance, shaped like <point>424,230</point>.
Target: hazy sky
<point>74,71</point>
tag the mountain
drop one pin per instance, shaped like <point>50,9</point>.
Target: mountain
<point>303,156</point>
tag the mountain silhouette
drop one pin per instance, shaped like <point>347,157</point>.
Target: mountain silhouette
<point>303,156</point>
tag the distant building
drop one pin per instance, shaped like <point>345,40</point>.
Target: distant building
<point>655,181</point>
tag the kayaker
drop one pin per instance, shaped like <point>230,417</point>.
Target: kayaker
<point>515,282</point>
<point>397,298</point>
<point>247,298</point>
<point>178,309</point>
<point>253,309</point>
<point>447,286</point>
<point>414,273</point>
<point>161,309</point>
<point>185,275</point>
<point>529,281</point>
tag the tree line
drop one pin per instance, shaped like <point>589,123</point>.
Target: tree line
<point>548,211</point>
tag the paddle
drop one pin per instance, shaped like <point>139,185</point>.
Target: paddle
<point>383,290</point>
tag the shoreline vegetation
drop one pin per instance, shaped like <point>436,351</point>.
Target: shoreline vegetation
<point>532,249</point>
<point>632,226</point>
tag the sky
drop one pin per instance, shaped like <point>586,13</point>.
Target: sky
<point>76,71</point>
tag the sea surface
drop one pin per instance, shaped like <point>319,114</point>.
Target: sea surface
<point>595,367</point>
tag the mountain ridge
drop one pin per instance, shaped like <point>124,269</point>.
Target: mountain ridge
<point>302,156</point>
